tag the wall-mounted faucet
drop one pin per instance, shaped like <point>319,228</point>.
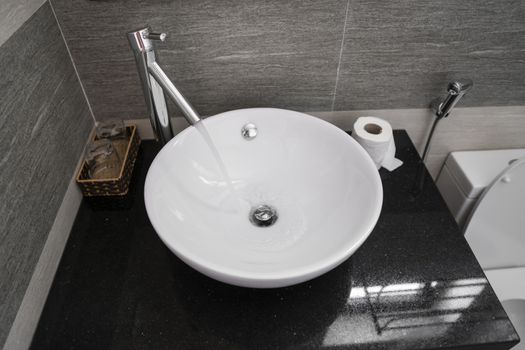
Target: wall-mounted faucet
<point>155,82</point>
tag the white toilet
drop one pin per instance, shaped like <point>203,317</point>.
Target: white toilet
<point>485,191</point>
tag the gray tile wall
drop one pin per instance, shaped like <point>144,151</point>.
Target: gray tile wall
<point>222,54</point>
<point>14,13</point>
<point>400,54</point>
<point>44,124</point>
<point>293,54</point>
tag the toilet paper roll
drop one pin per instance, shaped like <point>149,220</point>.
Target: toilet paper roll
<point>376,137</point>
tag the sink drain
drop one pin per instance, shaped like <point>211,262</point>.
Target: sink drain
<point>249,131</point>
<point>263,215</point>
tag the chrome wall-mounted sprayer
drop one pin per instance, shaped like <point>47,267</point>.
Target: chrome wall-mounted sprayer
<point>442,108</point>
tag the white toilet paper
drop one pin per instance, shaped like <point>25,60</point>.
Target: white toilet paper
<point>376,137</point>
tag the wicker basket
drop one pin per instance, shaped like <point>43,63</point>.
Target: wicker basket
<point>117,186</point>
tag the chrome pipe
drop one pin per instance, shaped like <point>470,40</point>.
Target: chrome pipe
<point>187,109</point>
<point>153,94</point>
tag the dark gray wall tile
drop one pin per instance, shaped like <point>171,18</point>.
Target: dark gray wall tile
<point>14,13</point>
<point>400,54</point>
<point>44,124</point>
<point>229,54</point>
<point>222,54</point>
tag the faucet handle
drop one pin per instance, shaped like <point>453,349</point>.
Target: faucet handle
<point>156,36</point>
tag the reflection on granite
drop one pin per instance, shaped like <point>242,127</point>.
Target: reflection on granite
<point>414,284</point>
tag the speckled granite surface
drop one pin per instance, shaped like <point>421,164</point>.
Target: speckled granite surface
<point>414,284</point>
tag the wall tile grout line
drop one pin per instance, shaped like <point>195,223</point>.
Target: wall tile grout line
<point>340,56</point>
<point>72,61</point>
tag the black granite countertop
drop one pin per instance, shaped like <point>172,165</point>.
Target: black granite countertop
<point>414,284</point>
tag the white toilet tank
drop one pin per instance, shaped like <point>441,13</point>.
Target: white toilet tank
<point>466,174</point>
<point>485,191</point>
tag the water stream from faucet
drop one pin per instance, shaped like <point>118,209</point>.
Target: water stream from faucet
<point>286,223</point>
<point>237,204</point>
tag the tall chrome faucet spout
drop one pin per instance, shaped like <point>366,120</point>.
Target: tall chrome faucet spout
<point>189,112</point>
<point>155,82</point>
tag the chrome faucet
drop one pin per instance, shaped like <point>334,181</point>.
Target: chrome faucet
<point>155,82</point>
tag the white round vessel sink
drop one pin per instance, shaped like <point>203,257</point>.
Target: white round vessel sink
<point>287,201</point>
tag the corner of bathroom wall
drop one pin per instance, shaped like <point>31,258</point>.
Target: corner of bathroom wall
<point>45,125</point>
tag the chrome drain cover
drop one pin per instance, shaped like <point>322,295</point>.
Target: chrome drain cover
<point>263,215</point>
<point>249,131</point>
